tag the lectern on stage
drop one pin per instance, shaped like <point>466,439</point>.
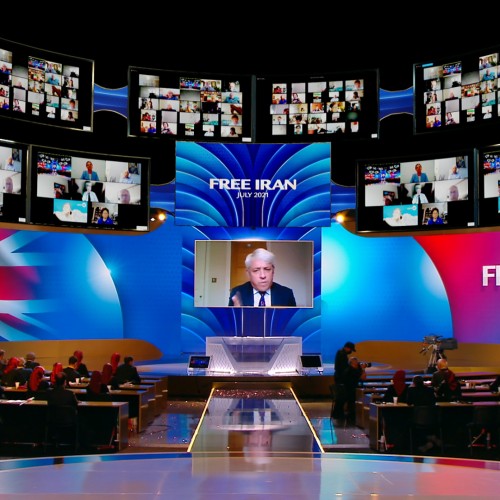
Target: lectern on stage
<point>254,355</point>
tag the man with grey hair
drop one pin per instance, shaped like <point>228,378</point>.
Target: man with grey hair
<point>261,290</point>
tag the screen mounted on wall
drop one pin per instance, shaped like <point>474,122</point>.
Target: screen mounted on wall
<point>233,273</point>
<point>416,194</point>
<point>79,189</point>
<point>317,108</point>
<point>489,186</point>
<point>13,173</point>
<point>185,105</point>
<point>45,87</point>
<point>457,92</point>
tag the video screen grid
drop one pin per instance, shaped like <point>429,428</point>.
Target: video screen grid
<point>457,93</point>
<point>181,106</point>
<point>45,87</point>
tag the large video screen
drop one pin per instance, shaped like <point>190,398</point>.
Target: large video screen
<point>419,193</point>
<point>185,105</point>
<point>317,108</point>
<point>234,273</point>
<point>489,186</point>
<point>45,87</point>
<point>13,172</point>
<point>79,189</point>
<point>457,92</point>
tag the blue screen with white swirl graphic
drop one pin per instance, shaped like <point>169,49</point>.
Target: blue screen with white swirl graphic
<point>253,185</point>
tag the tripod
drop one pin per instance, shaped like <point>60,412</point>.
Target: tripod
<point>433,344</point>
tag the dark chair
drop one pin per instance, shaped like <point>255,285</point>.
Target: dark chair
<point>425,422</point>
<point>62,428</point>
<point>483,428</point>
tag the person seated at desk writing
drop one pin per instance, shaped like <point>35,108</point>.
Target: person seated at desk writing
<point>127,372</point>
<point>261,290</point>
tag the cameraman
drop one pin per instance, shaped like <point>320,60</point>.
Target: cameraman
<point>341,364</point>
<point>353,375</point>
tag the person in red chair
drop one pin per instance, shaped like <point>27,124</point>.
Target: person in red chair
<point>97,390</point>
<point>115,361</point>
<point>56,368</point>
<point>37,384</point>
<point>107,374</point>
<point>9,372</point>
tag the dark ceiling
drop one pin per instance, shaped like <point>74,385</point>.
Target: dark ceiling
<point>204,44</point>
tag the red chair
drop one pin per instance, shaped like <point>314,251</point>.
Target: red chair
<point>56,368</point>
<point>115,361</point>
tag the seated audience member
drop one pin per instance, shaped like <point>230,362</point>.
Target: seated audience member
<point>97,390</point>
<point>81,367</point>
<point>107,374</point>
<point>3,361</point>
<point>9,372</point>
<point>56,368</point>
<point>394,427</point>
<point>115,361</point>
<point>30,361</point>
<point>60,395</point>
<point>71,372</point>
<point>21,374</point>
<point>127,372</point>
<point>397,389</point>
<point>37,384</point>
<point>421,395</point>
<point>445,383</point>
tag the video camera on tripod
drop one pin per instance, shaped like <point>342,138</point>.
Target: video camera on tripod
<point>437,345</point>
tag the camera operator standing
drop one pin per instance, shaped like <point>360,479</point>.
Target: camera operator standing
<point>341,364</point>
<point>353,375</point>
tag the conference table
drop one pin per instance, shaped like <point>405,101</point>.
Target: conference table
<point>24,422</point>
<point>454,415</point>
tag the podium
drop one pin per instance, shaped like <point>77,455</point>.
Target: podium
<point>254,355</point>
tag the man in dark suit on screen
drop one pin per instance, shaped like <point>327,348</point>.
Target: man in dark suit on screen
<point>261,290</point>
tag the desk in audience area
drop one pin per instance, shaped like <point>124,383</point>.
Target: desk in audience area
<point>23,422</point>
<point>454,416</point>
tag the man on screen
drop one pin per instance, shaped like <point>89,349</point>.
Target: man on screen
<point>261,290</point>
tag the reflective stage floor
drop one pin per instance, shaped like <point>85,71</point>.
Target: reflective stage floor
<point>250,444</point>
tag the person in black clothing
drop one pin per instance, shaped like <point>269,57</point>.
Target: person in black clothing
<point>21,374</point>
<point>341,363</point>
<point>30,361</point>
<point>71,372</point>
<point>421,395</point>
<point>127,372</point>
<point>354,374</point>
<point>80,366</point>
<point>60,395</point>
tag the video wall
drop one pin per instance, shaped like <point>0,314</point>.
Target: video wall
<point>456,93</point>
<point>73,188</point>
<point>185,105</point>
<point>415,194</point>
<point>328,107</point>
<point>46,87</point>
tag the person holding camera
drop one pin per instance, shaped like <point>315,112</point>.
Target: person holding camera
<point>353,376</point>
<point>341,364</point>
